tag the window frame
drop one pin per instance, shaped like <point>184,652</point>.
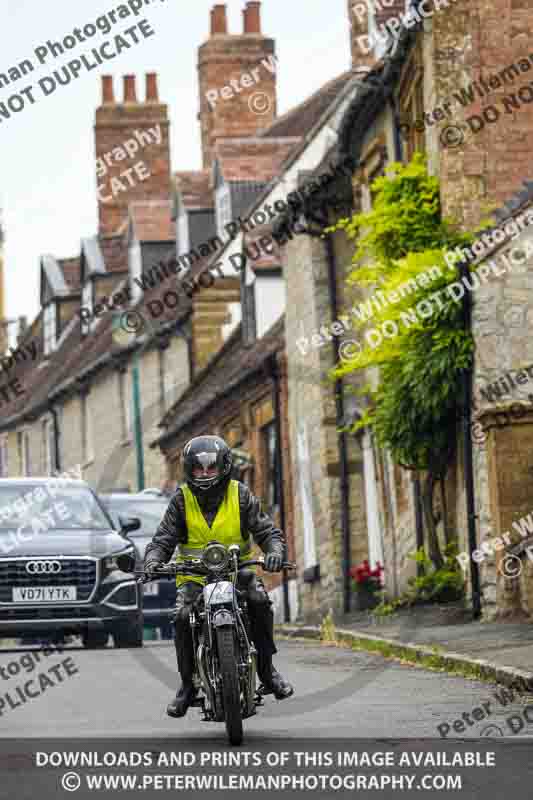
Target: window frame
<point>124,405</point>
<point>49,459</point>
<point>24,452</point>
<point>87,301</point>
<point>50,329</point>
<point>4,456</point>
<point>269,467</point>
<point>223,208</point>
<point>87,444</point>
<point>184,236</point>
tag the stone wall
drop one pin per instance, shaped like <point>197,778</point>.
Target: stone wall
<point>502,316</point>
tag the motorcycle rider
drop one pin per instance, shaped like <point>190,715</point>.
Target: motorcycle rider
<point>211,506</point>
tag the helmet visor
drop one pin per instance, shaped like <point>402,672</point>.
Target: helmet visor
<point>205,468</point>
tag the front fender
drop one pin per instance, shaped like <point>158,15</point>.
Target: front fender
<point>223,617</point>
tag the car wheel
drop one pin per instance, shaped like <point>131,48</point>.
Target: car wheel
<point>94,640</point>
<point>129,634</point>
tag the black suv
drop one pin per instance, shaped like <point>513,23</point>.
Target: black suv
<point>149,507</point>
<point>65,568</point>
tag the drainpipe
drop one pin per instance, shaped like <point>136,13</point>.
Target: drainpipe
<point>57,451</point>
<point>342,439</point>
<point>398,149</point>
<point>419,524</point>
<point>274,372</point>
<point>468,457</point>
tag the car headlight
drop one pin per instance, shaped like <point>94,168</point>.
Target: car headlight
<point>215,556</point>
<point>116,561</point>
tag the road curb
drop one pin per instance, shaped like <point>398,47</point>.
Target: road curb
<point>424,655</point>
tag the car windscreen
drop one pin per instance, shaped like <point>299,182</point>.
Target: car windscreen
<point>50,507</point>
<point>150,512</point>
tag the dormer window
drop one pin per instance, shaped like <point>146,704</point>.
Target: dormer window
<point>87,303</point>
<point>223,201</point>
<point>183,233</point>
<point>50,328</point>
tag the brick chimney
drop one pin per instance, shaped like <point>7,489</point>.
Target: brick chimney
<point>130,135</point>
<point>226,57</point>
<point>252,18</point>
<point>360,13</point>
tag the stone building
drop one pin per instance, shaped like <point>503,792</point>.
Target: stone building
<point>404,104</point>
<point>89,356</point>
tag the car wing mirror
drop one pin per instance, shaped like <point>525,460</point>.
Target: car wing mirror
<point>129,524</point>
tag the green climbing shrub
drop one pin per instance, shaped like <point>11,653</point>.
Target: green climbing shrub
<point>413,410</point>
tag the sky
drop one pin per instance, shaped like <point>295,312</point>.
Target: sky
<point>47,160</point>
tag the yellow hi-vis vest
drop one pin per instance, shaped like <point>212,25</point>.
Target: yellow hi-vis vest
<point>226,528</point>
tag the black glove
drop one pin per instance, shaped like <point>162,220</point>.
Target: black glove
<point>273,561</point>
<point>152,566</point>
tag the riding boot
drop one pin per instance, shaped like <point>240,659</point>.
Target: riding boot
<point>272,681</point>
<point>186,693</point>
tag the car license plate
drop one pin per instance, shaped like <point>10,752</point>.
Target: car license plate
<point>44,594</point>
<point>151,589</point>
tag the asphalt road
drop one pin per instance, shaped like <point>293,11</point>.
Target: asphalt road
<point>339,693</point>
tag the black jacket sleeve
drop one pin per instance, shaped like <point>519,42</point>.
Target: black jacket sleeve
<point>261,527</point>
<point>171,531</point>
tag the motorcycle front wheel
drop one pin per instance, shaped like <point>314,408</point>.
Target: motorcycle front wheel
<point>231,694</point>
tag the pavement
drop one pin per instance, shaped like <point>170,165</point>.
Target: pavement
<point>495,651</point>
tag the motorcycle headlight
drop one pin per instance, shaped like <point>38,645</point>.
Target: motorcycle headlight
<point>215,556</point>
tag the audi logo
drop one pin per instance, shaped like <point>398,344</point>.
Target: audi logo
<point>43,567</point>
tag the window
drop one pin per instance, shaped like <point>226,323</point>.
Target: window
<point>123,401</point>
<point>4,464</point>
<point>412,123</point>
<point>23,446</point>
<point>49,328</point>
<point>183,234</point>
<point>223,201</point>
<point>136,266</point>
<point>162,386</point>
<point>270,492</point>
<point>48,447</point>
<point>86,431</point>
<point>87,302</point>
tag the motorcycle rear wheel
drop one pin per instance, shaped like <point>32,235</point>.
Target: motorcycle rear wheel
<point>231,694</point>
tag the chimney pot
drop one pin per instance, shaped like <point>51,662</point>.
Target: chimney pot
<point>219,22</point>
<point>152,95</point>
<point>252,17</point>
<point>130,94</point>
<point>107,89</point>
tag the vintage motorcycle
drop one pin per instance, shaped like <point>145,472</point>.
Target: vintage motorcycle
<point>225,657</point>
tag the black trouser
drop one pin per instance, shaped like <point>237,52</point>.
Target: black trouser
<point>259,612</point>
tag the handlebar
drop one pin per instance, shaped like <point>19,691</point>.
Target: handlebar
<point>197,567</point>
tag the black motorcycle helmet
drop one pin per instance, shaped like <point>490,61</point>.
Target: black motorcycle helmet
<point>207,463</point>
